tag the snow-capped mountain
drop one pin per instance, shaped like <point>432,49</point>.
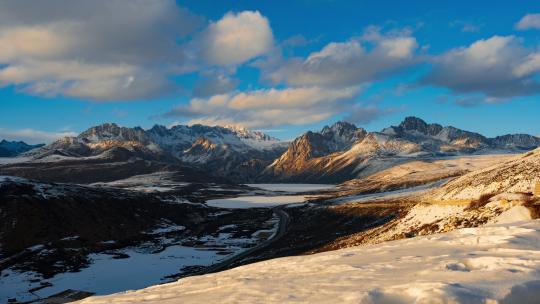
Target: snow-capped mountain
<point>104,141</point>
<point>335,154</point>
<point>225,151</point>
<point>327,156</point>
<point>175,140</point>
<point>448,139</point>
<point>179,138</point>
<point>306,153</point>
<point>436,138</point>
<point>14,148</point>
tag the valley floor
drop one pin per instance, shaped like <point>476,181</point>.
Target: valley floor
<point>385,213</point>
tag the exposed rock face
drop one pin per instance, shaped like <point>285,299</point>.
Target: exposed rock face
<point>336,153</point>
<point>343,152</point>
<point>417,124</point>
<point>112,132</point>
<point>519,141</point>
<point>342,135</point>
<point>301,158</point>
<point>217,149</point>
<point>97,140</point>
<point>436,138</point>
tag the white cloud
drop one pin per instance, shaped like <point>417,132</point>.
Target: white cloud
<point>32,136</point>
<point>340,64</point>
<point>497,67</point>
<point>214,84</point>
<point>528,65</point>
<point>120,50</point>
<point>529,21</point>
<point>270,107</point>
<point>236,38</point>
<point>98,50</point>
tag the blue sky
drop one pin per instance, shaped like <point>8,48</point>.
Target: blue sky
<point>280,66</point>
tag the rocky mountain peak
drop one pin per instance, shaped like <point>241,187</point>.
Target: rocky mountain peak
<point>412,123</point>
<point>339,127</point>
<point>342,135</point>
<point>111,131</point>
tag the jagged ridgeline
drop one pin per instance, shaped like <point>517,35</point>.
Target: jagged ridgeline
<point>343,151</point>
<point>336,153</point>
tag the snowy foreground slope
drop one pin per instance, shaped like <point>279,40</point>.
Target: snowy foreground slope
<point>492,264</point>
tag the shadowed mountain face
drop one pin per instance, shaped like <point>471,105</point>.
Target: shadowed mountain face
<point>337,153</point>
<point>14,148</point>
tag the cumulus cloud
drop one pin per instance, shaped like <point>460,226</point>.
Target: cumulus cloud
<point>498,67</point>
<point>102,50</point>
<point>236,38</point>
<point>529,21</point>
<point>32,136</point>
<point>339,64</point>
<point>267,107</point>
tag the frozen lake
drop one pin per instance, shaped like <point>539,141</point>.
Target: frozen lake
<point>259,201</point>
<point>293,196</point>
<point>293,187</point>
<point>143,267</point>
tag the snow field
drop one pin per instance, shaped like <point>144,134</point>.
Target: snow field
<point>492,264</point>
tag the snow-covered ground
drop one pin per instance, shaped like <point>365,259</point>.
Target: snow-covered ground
<point>388,194</point>
<point>493,264</point>
<point>146,265</point>
<point>259,201</point>
<point>13,160</point>
<point>293,187</point>
<point>273,196</point>
<point>152,182</point>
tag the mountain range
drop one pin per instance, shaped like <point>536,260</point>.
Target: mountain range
<point>336,153</point>
<point>343,151</point>
<point>14,148</point>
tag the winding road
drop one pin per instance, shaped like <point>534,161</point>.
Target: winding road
<point>284,220</point>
